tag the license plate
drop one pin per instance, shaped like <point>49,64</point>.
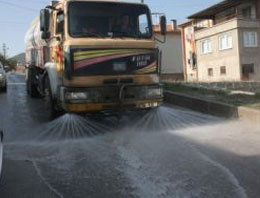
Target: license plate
<point>119,67</point>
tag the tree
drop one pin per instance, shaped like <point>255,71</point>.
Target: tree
<point>8,62</point>
<point>12,63</point>
<point>2,59</point>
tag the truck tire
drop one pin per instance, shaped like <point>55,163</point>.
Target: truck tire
<point>30,83</point>
<point>50,103</point>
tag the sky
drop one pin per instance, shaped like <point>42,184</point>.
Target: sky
<point>16,17</point>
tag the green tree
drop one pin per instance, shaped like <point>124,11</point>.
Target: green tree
<point>2,59</point>
<point>8,62</point>
<point>12,63</point>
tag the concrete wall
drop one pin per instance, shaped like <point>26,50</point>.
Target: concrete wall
<point>171,52</point>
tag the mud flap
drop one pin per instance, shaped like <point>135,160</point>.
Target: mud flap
<point>1,151</point>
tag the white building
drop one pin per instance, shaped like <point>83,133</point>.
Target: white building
<point>221,43</point>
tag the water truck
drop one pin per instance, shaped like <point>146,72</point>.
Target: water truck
<point>94,56</point>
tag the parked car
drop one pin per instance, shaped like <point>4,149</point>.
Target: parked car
<point>1,151</point>
<point>3,81</point>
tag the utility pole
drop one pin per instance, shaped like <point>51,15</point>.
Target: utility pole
<point>5,53</point>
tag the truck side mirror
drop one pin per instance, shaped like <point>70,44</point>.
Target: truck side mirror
<point>163,25</point>
<point>45,23</point>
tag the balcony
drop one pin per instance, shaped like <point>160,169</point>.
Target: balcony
<point>225,26</point>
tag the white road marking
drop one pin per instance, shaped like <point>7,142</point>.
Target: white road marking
<point>240,190</point>
<point>38,171</point>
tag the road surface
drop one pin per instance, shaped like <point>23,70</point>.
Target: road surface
<point>170,152</point>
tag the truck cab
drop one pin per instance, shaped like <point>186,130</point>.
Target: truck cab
<point>92,56</point>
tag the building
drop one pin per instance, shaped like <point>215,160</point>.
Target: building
<point>171,60</point>
<point>221,43</point>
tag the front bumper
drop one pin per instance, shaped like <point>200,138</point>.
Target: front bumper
<point>127,97</point>
<point>98,107</point>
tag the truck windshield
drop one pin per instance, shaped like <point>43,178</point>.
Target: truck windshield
<point>106,19</point>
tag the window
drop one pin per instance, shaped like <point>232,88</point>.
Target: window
<point>210,72</point>
<point>60,23</point>
<point>192,61</point>
<point>248,68</point>
<point>206,46</point>
<point>225,42</point>
<point>223,70</point>
<point>250,39</point>
<point>143,25</point>
<point>247,12</point>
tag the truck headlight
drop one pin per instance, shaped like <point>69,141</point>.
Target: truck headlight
<point>76,96</point>
<point>1,75</point>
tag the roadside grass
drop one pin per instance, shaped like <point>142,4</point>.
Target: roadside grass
<point>223,96</point>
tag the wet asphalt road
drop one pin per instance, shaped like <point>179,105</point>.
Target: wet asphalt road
<point>170,152</point>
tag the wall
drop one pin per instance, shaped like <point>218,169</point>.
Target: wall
<point>189,47</point>
<point>189,51</point>
<point>229,21</point>
<point>253,6</point>
<point>218,58</point>
<point>258,9</point>
<point>233,58</point>
<point>250,55</point>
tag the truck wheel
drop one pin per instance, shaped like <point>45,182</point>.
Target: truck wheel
<point>30,84</point>
<point>50,103</point>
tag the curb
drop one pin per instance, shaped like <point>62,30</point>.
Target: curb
<point>200,105</point>
<point>212,108</point>
<point>248,114</point>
